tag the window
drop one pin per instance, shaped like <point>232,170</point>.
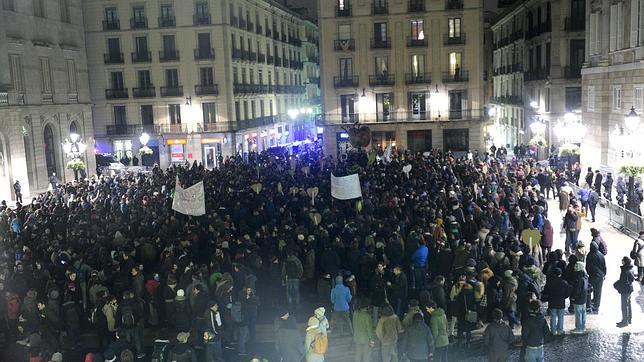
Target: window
<point>206,76</point>
<point>454,27</point>
<point>169,47</point>
<point>344,31</point>
<point>455,59</point>
<point>246,110</point>
<point>456,101</point>
<point>418,105</point>
<point>64,11</point>
<point>237,112</point>
<point>45,75</point>
<point>343,4</point>
<point>172,78</point>
<point>456,140</point>
<point>209,114</point>
<point>120,117</point>
<point>382,65</point>
<point>116,79</point>
<point>595,34</point>
<point>638,97</point>
<point>141,43</point>
<point>203,41</point>
<point>138,13</point>
<point>417,29</point>
<point>114,47</point>
<point>39,8</point>
<point>380,32</point>
<point>111,15</point>
<point>15,66</point>
<point>202,10</point>
<point>346,68</point>
<point>147,115</point>
<point>72,84</point>
<point>384,106</point>
<point>616,30</point>
<point>590,102</point>
<point>144,79</point>
<point>166,11</point>
<point>175,113</point>
<point>573,99</point>
<point>417,65</point>
<point>617,98</point>
<point>347,106</point>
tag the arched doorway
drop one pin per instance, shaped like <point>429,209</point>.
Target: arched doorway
<point>50,150</point>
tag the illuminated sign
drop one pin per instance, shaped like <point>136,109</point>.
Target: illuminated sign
<point>176,141</point>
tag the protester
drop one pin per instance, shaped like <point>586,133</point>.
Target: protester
<point>363,333</point>
<point>578,296</point>
<point>418,341</point>
<point>388,330</point>
<point>624,287</point>
<point>533,332</point>
<point>341,300</point>
<point>498,337</point>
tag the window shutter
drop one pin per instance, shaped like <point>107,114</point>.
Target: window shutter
<point>593,34</point>
<point>613,28</point>
<point>620,26</point>
<point>635,18</point>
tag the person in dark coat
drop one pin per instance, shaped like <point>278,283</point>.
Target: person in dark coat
<point>597,238</point>
<point>578,297</point>
<point>330,262</point>
<point>598,182</point>
<point>71,315</point>
<point>596,269</point>
<point>418,341</point>
<point>464,303</point>
<point>378,291</point>
<point>498,337</point>
<point>533,332</point>
<point>608,187</point>
<point>555,293</point>
<point>182,313</point>
<point>289,341</point>
<point>398,290</point>
<point>624,287</point>
<point>437,292</point>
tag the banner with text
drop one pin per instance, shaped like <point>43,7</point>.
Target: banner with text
<point>346,187</point>
<point>190,201</point>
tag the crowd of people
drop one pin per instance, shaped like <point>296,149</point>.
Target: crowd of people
<point>411,269</point>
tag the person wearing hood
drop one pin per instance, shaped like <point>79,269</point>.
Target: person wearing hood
<point>182,352</point>
<point>624,287</point>
<point>418,341</point>
<point>498,338</point>
<point>608,187</point>
<point>597,238</point>
<point>578,297</point>
<point>438,325</point>
<point>596,268</point>
<point>534,329</point>
<point>341,300</point>
<point>387,331</point>
<point>323,322</point>
<point>547,239</point>
<point>363,333</point>
<point>413,308</point>
<point>288,339</point>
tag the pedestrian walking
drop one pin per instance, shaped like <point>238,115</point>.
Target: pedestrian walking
<point>624,287</point>
<point>18,190</point>
<point>341,300</point>
<point>498,338</point>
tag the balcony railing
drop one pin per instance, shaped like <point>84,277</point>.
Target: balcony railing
<point>139,23</point>
<point>116,93</point>
<point>344,44</point>
<point>168,21</point>
<point>204,53</point>
<point>255,122</point>
<point>295,41</point>
<point>381,8</point>
<point>234,21</point>
<point>259,29</point>
<point>276,34</point>
<point>407,116</point>
<point>250,26</point>
<point>295,64</point>
<point>113,58</point>
<point>515,100</point>
<point>169,55</point>
<point>345,81</point>
<point>575,24</point>
<point>342,12</point>
<point>381,43</point>
<point>249,89</point>
<point>270,59</point>
<point>147,92</point>
<point>313,59</point>
<point>535,74</point>
<point>314,80</point>
<point>201,19</point>
<point>277,62</point>
<point>242,24</point>
<point>572,72</point>
<point>415,6</point>
<point>459,113</point>
<point>286,63</point>
<point>453,4</point>
<point>261,58</point>
<point>538,29</point>
<point>209,89</point>
<point>269,32</point>
<point>418,78</point>
<point>454,40</point>
<point>126,129</point>
<point>415,42</point>
<point>382,80</point>
<point>114,24</point>
<point>172,91</point>
<point>453,77</point>
<point>141,57</point>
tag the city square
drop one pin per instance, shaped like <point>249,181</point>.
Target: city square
<point>321,180</point>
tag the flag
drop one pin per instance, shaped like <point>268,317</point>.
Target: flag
<point>190,201</point>
<point>346,188</point>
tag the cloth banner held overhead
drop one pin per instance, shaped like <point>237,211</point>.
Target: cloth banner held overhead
<point>190,201</point>
<point>346,187</point>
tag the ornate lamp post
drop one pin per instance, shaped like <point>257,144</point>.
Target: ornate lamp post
<point>629,139</point>
<point>144,151</point>
<point>74,148</point>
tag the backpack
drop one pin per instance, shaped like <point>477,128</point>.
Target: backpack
<point>186,356</point>
<point>236,312</point>
<point>159,352</point>
<point>128,320</point>
<point>320,344</point>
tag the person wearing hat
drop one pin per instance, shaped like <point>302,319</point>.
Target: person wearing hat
<point>624,286</point>
<point>313,335</point>
<point>182,352</point>
<point>341,300</point>
<point>288,341</point>
<point>182,313</point>
<point>534,329</point>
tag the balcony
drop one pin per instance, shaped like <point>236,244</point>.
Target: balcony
<point>345,81</point>
<point>380,9</point>
<point>269,32</point>
<point>295,42</point>
<point>572,72</point>
<point>382,80</point>
<point>344,44</point>
<point>515,100</point>
<point>113,24</point>
<point>538,29</point>
<point>169,55</point>
<point>459,113</point>
<point>284,38</point>
<point>261,58</point>
<point>418,78</point>
<point>453,4</point>
<point>286,63</point>
<point>237,54</point>
<point>295,64</point>
<point>455,77</point>
<point>535,74</point>
<point>277,62</point>
<point>415,42</point>
<point>342,12</point>
<point>314,80</point>
<point>454,40</point>
<point>381,43</point>
<point>168,21</point>
<point>296,89</point>
<point>575,24</point>
<point>270,59</point>
<point>204,53</point>
<point>123,129</point>
<point>247,89</point>
<point>147,92</point>
<point>116,93</point>
<point>139,23</point>
<point>276,35</point>
<point>313,59</point>
<point>407,116</point>
<point>207,90</point>
<point>242,24</point>
<point>250,27</point>
<point>416,6</point>
<point>259,30</point>
<point>141,57</point>
<point>113,58</point>
<point>255,122</point>
<point>245,55</point>
<point>201,19</point>
<point>175,91</point>
<point>234,21</point>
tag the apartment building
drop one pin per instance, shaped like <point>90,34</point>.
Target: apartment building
<point>613,83</point>
<point>412,71</point>
<point>538,56</point>
<point>44,92</point>
<point>206,80</point>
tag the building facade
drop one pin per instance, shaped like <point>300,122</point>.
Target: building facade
<point>612,82</point>
<point>205,81</point>
<point>538,56</point>
<point>44,92</point>
<point>413,71</point>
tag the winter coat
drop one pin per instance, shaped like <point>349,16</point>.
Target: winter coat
<point>388,329</point>
<point>548,232</point>
<point>311,356</point>
<point>408,319</point>
<point>340,298</point>
<point>564,200</point>
<point>579,288</point>
<point>626,277</point>
<point>438,323</point>
<point>638,248</point>
<point>378,291</point>
<point>595,263</point>
<point>110,315</point>
<point>498,338</point>
<point>362,329</point>
<point>555,292</point>
<point>398,289</point>
<point>182,314</point>
<point>418,341</point>
<point>534,329</point>
<point>465,302</point>
<point>289,341</point>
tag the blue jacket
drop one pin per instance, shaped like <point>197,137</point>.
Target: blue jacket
<point>584,194</point>
<point>340,298</point>
<point>419,258</point>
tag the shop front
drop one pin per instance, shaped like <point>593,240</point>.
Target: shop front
<point>211,150</point>
<point>177,150</point>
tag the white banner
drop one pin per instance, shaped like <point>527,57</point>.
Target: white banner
<point>190,201</point>
<point>346,187</point>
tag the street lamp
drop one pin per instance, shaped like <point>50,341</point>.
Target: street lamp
<point>74,148</point>
<point>144,139</point>
<point>632,120</point>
